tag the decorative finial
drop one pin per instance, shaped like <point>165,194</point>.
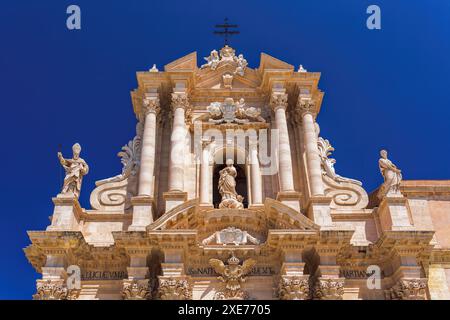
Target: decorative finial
<point>301,69</point>
<point>154,69</point>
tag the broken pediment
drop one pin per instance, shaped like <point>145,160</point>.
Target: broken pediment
<point>268,62</point>
<point>186,63</point>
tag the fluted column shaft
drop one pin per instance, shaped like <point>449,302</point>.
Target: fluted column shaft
<point>279,104</point>
<point>205,179</point>
<point>146,174</point>
<point>255,173</point>
<point>306,108</point>
<point>176,161</point>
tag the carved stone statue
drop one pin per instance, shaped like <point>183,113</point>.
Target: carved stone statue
<point>241,64</point>
<point>232,274</point>
<point>230,111</point>
<point>212,61</point>
<point>227,187</point>
<point>392,176</point>
<point>75,169</point>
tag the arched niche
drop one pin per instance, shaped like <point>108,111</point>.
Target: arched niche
<point>239,157</point>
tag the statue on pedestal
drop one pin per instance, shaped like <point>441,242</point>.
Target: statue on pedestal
<point>75,169</point>
<point>392,177</point>
<point>227,187</point>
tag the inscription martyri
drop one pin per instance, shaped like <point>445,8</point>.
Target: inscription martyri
<point>357,274</point>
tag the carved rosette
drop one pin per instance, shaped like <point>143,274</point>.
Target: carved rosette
<point>174,289</point>
<point>54,290</point>
<point>279,100</point>
<point>408,289</point>
<point>293,288</point>
<point>328,289</point>
<point>136,290</point>
<point>150,105</point>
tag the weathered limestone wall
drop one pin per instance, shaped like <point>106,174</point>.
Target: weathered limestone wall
<point>440,217</point>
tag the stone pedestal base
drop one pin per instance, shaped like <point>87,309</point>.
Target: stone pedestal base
<point>291,199</point>
<point>66,214</point>
<point>393,213</point>
<point>174,198</point>
<point>318,210</point>
<point>142,213</point>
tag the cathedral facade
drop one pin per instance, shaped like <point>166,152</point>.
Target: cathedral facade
<point>228,191</point>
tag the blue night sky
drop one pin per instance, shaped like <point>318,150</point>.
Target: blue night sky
<point>383,88</point>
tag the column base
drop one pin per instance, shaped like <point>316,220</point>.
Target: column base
<point>142,213</point>
<point>173,199</point>
<point>290,198</point>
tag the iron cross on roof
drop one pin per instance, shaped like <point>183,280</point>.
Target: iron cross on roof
<point>226,32</point>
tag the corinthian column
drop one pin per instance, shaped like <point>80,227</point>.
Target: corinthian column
<point>142,204</point>
<point>177,140</point>
<point>306,108</point>
<point>255,174</point>
<point>279,104</point>
<point>146,174</point>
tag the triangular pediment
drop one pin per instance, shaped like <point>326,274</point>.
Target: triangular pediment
<point>270,63</point>
<point>186,63</point>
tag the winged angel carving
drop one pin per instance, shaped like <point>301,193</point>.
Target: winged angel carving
<point>232,274</point>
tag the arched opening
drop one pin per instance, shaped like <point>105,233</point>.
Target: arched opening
<point>241,184</point>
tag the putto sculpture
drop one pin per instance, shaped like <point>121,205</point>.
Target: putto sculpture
<point>75,169</point>
<point>227,187</point>
<point>392,176</point>
<point>227,54</point>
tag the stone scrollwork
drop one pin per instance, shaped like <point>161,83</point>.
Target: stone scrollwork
<point>345,192</point>
<point>407,289</point>
<point>328,289</point>
<point>54,290</point>
<point>294,288</point>
<point>174,289</point>
<point>136,290</point>
<point>230,235</point>
<point>113,194</point>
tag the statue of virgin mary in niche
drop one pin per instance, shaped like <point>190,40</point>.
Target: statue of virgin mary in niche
<point>227,187</point>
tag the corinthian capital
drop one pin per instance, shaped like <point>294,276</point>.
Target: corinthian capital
<point>306,105</point>
<point>177,288</point>
<point>180,100</point>
<point>279,100</point>
<point>150,105</point>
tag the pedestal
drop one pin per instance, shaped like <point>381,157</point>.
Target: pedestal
<point>318,210</point>
<point>290,199</point>
<point>393,213</point>
<point>173,199</point>
<point>66,214</point>
<point>142,213</point>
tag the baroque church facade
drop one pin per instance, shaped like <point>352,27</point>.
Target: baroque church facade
<point>228,191</point>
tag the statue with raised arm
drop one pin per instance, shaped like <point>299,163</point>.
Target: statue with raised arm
<point>227,187</point>
<point>391,174</point>
<point>75,169</point>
